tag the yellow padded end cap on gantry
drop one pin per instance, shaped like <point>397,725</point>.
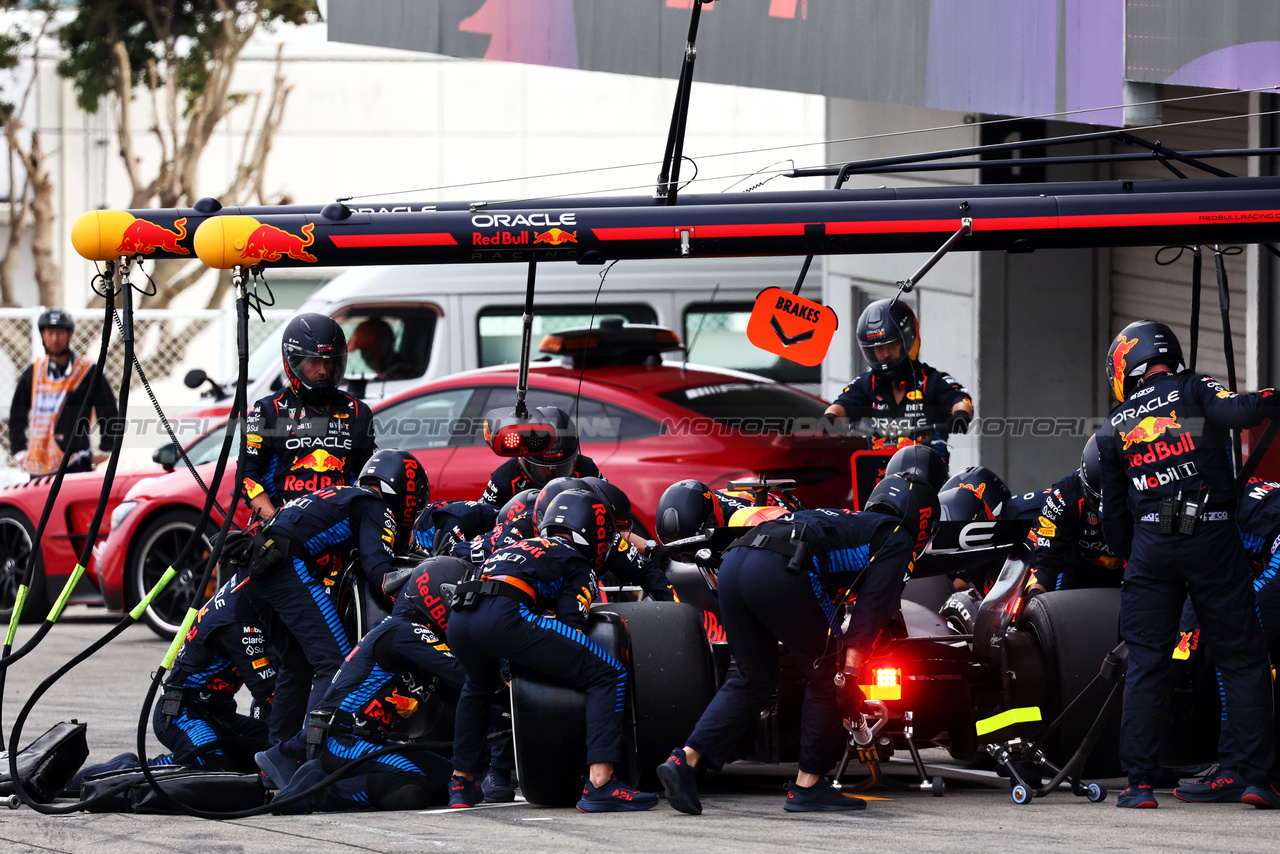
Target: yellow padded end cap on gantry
<point>98,235</point>
<point>1012,717</point>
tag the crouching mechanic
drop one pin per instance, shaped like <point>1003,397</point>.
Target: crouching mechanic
<point>1071,552</point>
<point>304,546</point>
<point>786,581</point>
<point>503,615</point>
<point>196,715</point>
<point>400,663</point>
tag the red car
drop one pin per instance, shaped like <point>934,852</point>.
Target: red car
<point>646,423</point>
<point>21,506</point>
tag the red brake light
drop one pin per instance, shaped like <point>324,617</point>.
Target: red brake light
<point>886,683</point>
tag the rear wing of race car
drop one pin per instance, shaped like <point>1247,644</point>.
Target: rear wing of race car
<point>964,546</point>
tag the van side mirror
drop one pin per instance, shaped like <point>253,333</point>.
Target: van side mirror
<point>167,456</point>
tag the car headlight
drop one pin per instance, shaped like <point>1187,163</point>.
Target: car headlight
<point>123,509</point>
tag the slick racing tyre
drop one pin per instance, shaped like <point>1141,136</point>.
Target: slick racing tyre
<point>157,544</point>
<point>673,675</point>
<point>16,536</point>
<point>1076,629</point>
<point>549,723</point>
<point>351,603</point>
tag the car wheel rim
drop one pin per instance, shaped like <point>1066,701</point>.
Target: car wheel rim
<point>15,550</point>
<point>157,555</point>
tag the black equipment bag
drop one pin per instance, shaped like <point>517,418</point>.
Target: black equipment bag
<point>128,791</point>
<point>47,765</point>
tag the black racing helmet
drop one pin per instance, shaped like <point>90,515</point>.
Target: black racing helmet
<point>1091,471</point>
<point>422,594</point>
<point>404,486</point>
<point>1140,345</point>
<point>685,509</point>
<point>520,504</point>
<point>547,494</point>
<point>913,501</point>
<point>984,483</point>
<point>619,503</point>
<point>562,457</point>
<point>963,505</point>
<point>885,321</point>
<point>581,517</point>
<point>314,336</point>
<point>56,318</point>
<point>920,460</point>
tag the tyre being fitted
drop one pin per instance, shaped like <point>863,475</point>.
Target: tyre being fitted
<point>549,725</point>
<point>673,678</point>
<point>16,537</point>
<point>156,546</point>
<point>1076,629</point>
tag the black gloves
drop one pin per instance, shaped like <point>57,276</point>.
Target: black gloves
<point>960,421</point>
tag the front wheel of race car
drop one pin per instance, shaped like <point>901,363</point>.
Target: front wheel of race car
<point>16,537</point>
<point>157,545</point>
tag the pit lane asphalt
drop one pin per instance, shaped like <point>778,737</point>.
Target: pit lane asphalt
<point>743,808</point>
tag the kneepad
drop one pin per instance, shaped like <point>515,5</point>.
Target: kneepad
<point>398,792</point>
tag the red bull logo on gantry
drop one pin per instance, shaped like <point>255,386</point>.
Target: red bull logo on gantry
<point>143,238</point>
<point>555,237</point>
<point>1149,429</point>
<point>268,243</point>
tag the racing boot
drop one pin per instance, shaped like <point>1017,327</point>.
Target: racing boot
<point>301,778</point>
<point>680,783</point>
<point>277,769</point>
<point>1138,796</point>
<point>1219,787</point>
<point>464,793</point>
<point>1262,797</point>
<point>498,787</point>
<point>614,796</point>
<point>820,797</point>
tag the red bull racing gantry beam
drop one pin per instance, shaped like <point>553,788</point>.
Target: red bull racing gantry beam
<point>1016,218</point>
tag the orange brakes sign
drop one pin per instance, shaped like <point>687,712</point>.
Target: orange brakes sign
<point>791,326</point>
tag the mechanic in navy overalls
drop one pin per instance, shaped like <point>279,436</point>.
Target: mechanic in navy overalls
<point>786,581</point>
<point>309,435</point>
<point>560,460</point>
<point>900,395</point>
<point>1168,507</point>
<point>504,615</point>
<point>1258,516</point>
<point>397,666</point>
<point>1071,552</point>
<point>196,715</point>
<point>305,546</point>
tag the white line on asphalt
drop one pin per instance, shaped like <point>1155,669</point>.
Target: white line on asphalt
<point>519,802</point>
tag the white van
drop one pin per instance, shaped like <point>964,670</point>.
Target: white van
<point>447,319</point>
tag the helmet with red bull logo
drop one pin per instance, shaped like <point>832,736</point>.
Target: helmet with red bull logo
<point>548,493</point>
<point>404,486</point>
<point>619,503</point>
<point>911,500</point>
<point>520,504</point>
<point>1138,347</point>
<point>314,349</point>
<point>883,322</point>
<point>581,517</point>
<point>561,458</point>
<point>427,593</point>
<point>920,460</point>
<point>685,509</point>
<point>985,484</point>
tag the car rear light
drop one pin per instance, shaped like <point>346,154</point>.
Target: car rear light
<point>886,683</point>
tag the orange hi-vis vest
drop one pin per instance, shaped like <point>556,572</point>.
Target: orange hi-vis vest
<point>47,399</point>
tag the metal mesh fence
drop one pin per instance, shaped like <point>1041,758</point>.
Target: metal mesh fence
<point>167,343</point>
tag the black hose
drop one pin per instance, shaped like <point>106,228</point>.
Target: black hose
<point>136,613</point>
<point>95,376</point>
